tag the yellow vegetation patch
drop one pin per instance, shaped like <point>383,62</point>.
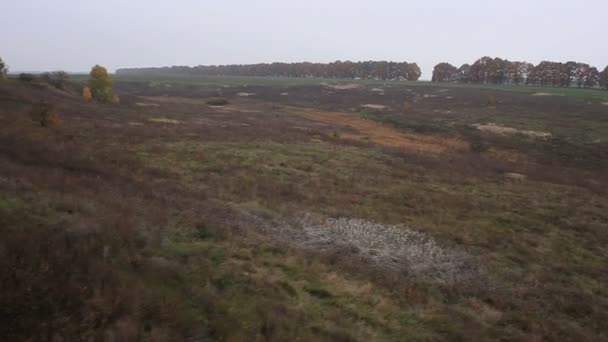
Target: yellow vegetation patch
<point>377,133</point>
<point>511,156</point>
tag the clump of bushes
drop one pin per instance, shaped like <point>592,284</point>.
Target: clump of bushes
<point>217,101</point>
<point>44,113</point>
<point>26,77</point>
<point>58,79</point>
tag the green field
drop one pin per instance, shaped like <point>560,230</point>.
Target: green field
<point>287,81</point>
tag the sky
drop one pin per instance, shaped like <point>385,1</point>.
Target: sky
<point>43,35</point>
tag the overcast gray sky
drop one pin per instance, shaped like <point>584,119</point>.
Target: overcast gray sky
<point>74,35</point>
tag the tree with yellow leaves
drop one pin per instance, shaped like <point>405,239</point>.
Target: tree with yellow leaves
<point>100,84</point>
<point>86,93</point>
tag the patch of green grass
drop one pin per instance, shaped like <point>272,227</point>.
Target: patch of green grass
<point>260,291</point>
<point>10,204</point>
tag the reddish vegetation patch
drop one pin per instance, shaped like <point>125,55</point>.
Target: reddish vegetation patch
<point>377,133</point>
<point>510,156</point>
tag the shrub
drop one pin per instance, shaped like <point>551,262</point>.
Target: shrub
<point>86,94</point>
<point>44,113</point>
<point>3,69</point>
<point>217,101</point>
<point>58,79</point>
<point>26,77</point>
<point>100,84</point>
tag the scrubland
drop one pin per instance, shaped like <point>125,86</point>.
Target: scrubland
<point>299,212</point>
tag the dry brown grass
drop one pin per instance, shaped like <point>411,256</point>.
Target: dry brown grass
<point>365,130</point>
<point>406,107</point>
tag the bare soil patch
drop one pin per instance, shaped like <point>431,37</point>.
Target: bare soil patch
<point>146,104</point>
<point>373,106</point>
<point>515,176</point>
<point>165,120</point>
<point>503,130</point>
<point>347,86</point>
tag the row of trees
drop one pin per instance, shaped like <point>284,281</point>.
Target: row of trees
<point>488,70</point>
<point>381,70</point>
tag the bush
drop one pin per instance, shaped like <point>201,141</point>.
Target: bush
<point>58,79</point>
<point>217,101</point>
<point>44,113</point>
<point>3,69</point>
<point>26,77</point>
<point>86,94</point>
<point>101,84</point>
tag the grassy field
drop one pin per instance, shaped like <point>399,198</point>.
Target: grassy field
<point>294,213</point>
<point>292,81</point>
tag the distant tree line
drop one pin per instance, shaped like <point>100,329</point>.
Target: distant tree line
<point>381,70</point>
<point>488,70</point>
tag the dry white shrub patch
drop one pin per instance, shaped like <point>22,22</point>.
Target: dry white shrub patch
<point>390,247</point>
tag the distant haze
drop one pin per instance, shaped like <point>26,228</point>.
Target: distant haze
<point>74,35</point>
